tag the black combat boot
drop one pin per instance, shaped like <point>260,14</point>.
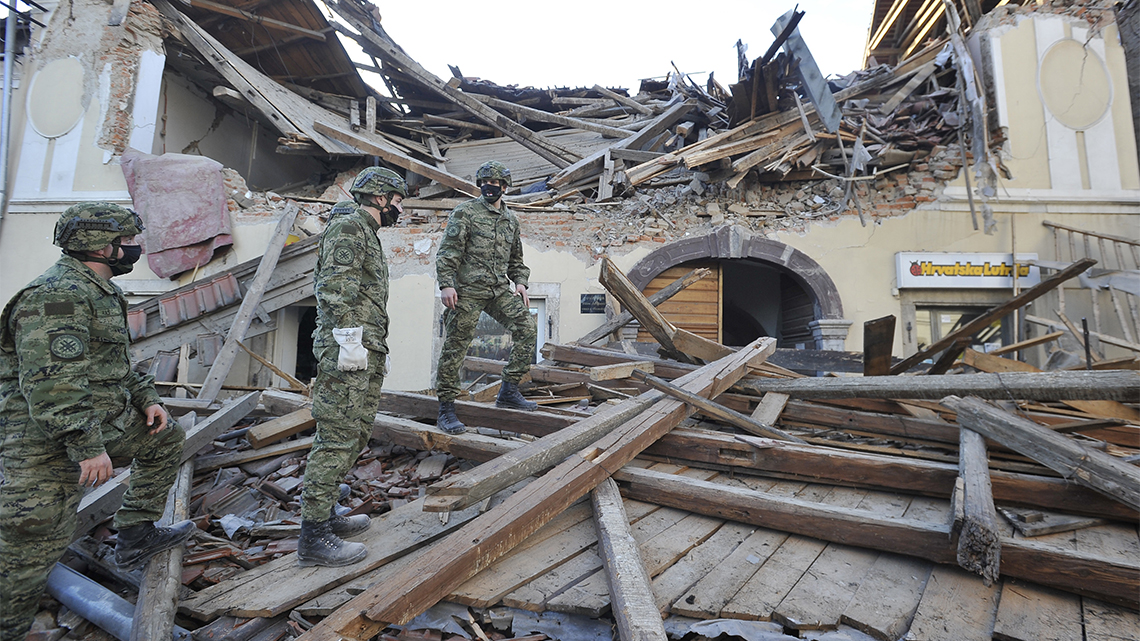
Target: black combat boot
<point>510,398</point>
<point>346,526</point>
<point>447,420</point>
<point>137,543</point>
<point>319,546</point>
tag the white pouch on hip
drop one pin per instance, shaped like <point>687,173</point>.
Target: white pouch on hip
<point>353,355</point>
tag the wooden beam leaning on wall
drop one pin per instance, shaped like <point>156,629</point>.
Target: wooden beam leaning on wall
<point>1095,469</point>
<point>624,318</point>
<point>995,313</point>
<point>460,556</point>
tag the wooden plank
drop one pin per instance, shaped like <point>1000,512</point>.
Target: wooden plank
<point>545,116</point>
<point>710,595</point>
<point>277,586</point>
<point>281,427</point>
<point>162,577</point>
<point>1030,523</point>
<point>1095,469</point>
<point>994,313</point>
<point>991,363</point>
<point>233,459</point>
<point>249,303</point>
<point>1109,622</point>
<point>616,282</point>
<point>619,370</point>
<point>1026,344</point>
<point>376,145</point>
<point>247,16</point>
<point>1028,612</point>
<point>217,423</point>
<point>979,542</point>
<point>819,598</point>
<point>878,343</point>
<point>1113,577</point>
<point>490,536</point>
<point>630,593</point>
<point>888,596</point>
<point>710,408</point>
<point>552,545</point>
<point>1115,385</point>
<point>769,408</point>
<point>955,606</point>
<point>100,503</point>
<point>422,406</point>
<point>764,591</point>
<point>671,585</point>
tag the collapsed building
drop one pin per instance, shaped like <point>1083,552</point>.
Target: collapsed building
<point>975,187</point>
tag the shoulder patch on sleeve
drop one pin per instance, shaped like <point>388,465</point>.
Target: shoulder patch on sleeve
<point>66,308</point>
<point>343,255</point>
<point>66,347</point>
<point>453,230</point>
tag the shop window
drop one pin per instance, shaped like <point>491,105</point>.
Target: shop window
<point>932,323</point>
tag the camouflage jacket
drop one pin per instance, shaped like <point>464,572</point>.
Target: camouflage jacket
<point>481,250</point>
<point>64,361</point>
<point>351,279</point>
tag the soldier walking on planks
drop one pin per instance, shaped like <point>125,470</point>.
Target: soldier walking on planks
<point>350,344</point>
<point>480,251</point>
<point>68,402</point>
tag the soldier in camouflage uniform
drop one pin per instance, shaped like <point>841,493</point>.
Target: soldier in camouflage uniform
<point>481,253</point>
<point>68,402</point>
<point>350,345</point>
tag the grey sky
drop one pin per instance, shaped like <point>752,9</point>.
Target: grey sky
<point>614,42</point>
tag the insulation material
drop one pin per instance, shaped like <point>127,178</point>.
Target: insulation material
<point>182,201</point>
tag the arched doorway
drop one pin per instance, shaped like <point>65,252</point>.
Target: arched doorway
<point>762,288</point>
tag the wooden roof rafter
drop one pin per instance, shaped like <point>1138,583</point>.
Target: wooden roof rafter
<point>241,14</point>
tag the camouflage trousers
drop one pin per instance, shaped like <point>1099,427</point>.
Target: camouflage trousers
<point>344,404</point>
<point>506,308</point>
<point>41,493</point>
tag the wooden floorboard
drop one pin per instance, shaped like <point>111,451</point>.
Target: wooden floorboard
<point>1030,612</point>
<point>669,585</point>
<point>707,598</point>
<point>955,606</point>
<point>1109,622</point>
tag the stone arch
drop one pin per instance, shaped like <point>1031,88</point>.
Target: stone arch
<point>732,241</point>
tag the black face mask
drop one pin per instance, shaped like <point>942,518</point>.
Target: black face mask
<point>126,264</point>
<point>491,192</point>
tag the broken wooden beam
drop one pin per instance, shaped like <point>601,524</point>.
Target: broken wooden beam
<point>281,427</point>
<point>746,423</point>
<point>631,595</point>
<point>878,342</point>
<point>1114,578</point>
<point>619,370</point>
<point>1071,459</point>
<point>249,304</point>
<point>624,318</point>
<point>457,558</point>
<point>979,542</point>
<point>162,579</point>
<point>994,313</point>
<point>1119,385</point>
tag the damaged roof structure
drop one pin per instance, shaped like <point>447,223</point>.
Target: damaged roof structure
<point>716,452</point>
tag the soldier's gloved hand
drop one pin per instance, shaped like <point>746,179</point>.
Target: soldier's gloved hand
<point>353,356</point>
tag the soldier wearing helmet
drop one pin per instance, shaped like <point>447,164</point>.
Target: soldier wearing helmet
<point>69,401</point>
<point>350,344</point>
<point>479,258</point>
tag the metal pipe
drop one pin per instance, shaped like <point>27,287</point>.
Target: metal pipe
<point>6,105</point>
<point>96,603</point>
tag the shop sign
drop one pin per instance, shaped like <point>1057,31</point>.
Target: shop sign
<point>930,270</point>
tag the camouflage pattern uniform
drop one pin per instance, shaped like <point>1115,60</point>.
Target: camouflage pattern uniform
<point>67,394</point>
<point>480,254</point>
<point>352,291</point>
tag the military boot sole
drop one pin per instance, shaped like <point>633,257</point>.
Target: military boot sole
<point>335,563</point>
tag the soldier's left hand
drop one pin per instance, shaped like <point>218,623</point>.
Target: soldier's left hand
<point>520,290</point>
<point>155,412</point>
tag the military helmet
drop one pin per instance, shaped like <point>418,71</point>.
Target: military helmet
<point>378,181</point>
<point>91,226</point>
<point>493,169</point>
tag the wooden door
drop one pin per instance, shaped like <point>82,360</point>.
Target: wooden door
<point>696,308</point>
